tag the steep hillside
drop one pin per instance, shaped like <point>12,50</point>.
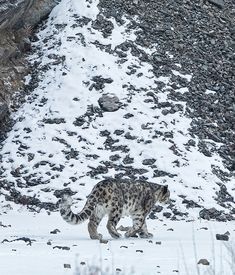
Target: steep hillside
<point>113,101</point>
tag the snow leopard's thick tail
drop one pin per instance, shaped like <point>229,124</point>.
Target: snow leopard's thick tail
<point>68,215</point>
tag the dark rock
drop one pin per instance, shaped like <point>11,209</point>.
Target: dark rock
<point>128,115</point>
<point>17,21</point>
<point>191,142</point>
<point>190,204</point>
<point>99,82</point>
<point>222,237</point>
<point>211,213</point>
<point>3,225</point>
<point>98,170</point>
<point>203,262</point>
<point>215,214</point>
<point>65,191</point>
<point>156,209</point>
<point>70,154</point>
<point>61,247</point>
<point>218,3</point>
<point>3,110</point>
<point>204,149</point>
<point>167,214</point>
<point>119,132</point>
<point>148,161</point>
<point>159,173</point>
<point>114,157</point>
<point>128,160</point>
<point>32,203</point>
<point>104,133</point>
<point>223,195</point>
<point>103,25</point>
<point>25,239</point>
<point>54,120</point>
<point>109,103</point>
<point>129,136</point>
<point>55,231</point>
<point>79,121</point>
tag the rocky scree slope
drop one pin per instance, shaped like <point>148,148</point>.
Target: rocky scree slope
<point>136,89</point>
<point>18,18</point>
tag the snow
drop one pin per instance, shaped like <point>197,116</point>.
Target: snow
<point>167,252</point>
<point>63,93</point>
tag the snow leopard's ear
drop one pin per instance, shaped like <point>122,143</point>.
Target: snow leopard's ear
<point>164,189</point>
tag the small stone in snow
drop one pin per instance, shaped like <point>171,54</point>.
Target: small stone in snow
<point>55,231</point>
<point>82,263</point>
<point>170,229</point>
<point>49,243</point>
<point>62,247</point>
<point>118,270</point>
<point>158,243</point>
<point>3,225</point>
<point>104,241</point>
<point>203,262</point>
<point>67,266</point>
<point>222,237</point>
<point>123,246</point>
<point>139,250</point>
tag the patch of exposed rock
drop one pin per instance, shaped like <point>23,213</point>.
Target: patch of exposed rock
<point>18,18</point>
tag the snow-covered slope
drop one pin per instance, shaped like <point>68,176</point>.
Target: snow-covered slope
<point>64,141</point>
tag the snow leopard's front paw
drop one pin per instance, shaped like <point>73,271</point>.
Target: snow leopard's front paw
<point>96,236</point>
<point>130,234</point>
<point>115,235</point>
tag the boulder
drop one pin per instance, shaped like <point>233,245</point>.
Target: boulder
<point>109,103</point>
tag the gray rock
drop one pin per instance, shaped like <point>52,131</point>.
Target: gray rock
<point>222,237</point>
<point>203,262</point>
<point>167,214</point>
<point>55,231</point>
<point>218,3</point>
<point>128,160</point>
<point>148,161</point>
<point>109,103</point>
<point>17,20</point>
<point>208,214</point>
<point>15,14</point>
<point>3,110</point>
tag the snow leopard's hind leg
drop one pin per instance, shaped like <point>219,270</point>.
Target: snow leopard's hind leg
<point>93,224</point>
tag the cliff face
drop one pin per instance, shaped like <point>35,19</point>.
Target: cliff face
<point>17,20</point>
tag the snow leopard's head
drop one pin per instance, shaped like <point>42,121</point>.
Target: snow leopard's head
<point>163,194</point>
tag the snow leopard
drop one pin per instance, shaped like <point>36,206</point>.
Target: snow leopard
<point>117,198</point>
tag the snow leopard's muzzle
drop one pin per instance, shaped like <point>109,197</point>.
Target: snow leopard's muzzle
<point>164,194</point>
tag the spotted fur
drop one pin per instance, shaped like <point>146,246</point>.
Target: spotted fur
<point>117,198</point>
